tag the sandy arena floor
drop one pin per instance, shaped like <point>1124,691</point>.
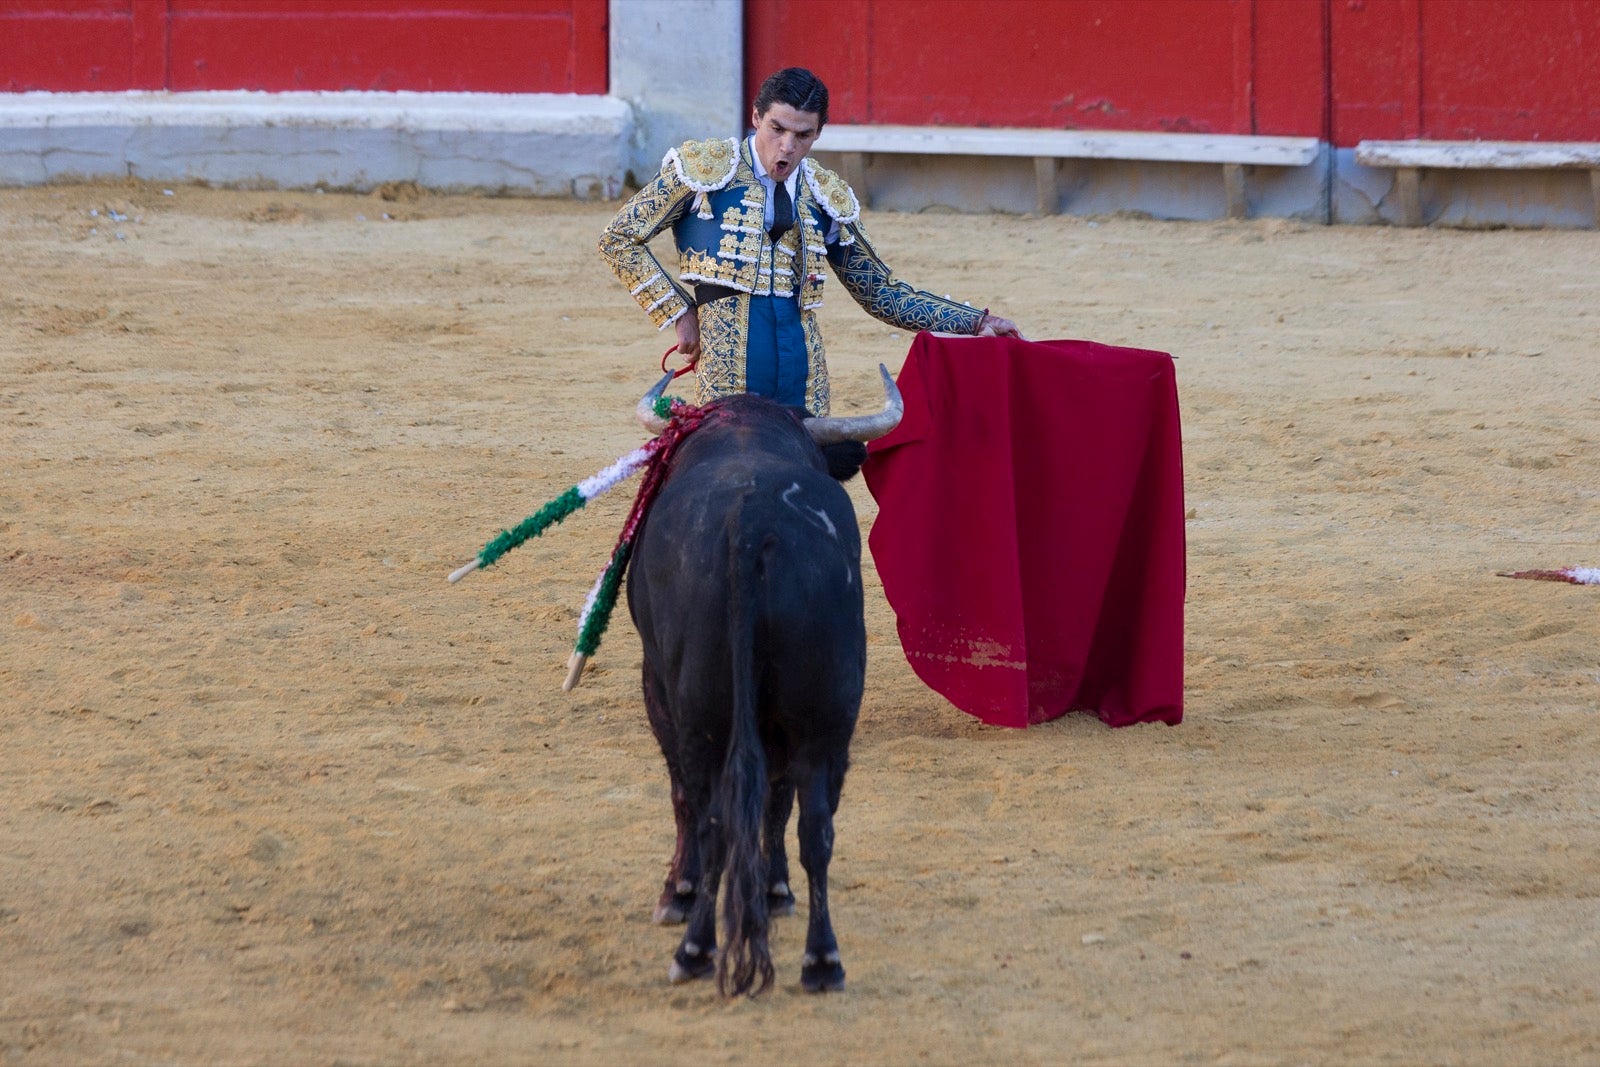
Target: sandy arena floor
<point>275,793</point>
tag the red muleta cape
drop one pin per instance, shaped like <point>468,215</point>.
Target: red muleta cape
<point>1030,528</point>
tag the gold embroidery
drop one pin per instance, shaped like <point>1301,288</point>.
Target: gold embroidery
<point>811,289</point>
<point>787,263</point>
<point>699,267</point>
<point>817,399</point>
<point>724,329</point>
<point>741,247</point>
<point>744,216</point>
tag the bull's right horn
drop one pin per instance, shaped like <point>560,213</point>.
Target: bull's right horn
<point>646,411</point>
<point>830,431</point>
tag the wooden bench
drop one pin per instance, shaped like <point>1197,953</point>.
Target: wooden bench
<point>1410,158</point>
<point>1233,152</point>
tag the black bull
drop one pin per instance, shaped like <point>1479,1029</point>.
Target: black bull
<point>745,588</point>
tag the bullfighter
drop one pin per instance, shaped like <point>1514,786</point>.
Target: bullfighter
<point>753,221</point>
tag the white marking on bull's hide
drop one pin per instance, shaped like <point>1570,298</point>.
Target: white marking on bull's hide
<point>779,889</point>
<point>691,948</point>
<point>685,886</point>
<point>820,520</point>
<point>808,960</point>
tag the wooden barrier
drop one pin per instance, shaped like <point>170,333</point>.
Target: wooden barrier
<point>1410,158</point>
<point>1233,152</point>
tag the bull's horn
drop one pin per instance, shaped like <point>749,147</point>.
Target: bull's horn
<point>830,431</point>
<point>646,411</point>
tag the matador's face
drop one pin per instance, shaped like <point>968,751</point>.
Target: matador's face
<point>784,137</point>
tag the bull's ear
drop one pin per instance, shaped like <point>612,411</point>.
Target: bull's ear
<point>645,412</point>
<point>844,459</point>
<point>827,431</point>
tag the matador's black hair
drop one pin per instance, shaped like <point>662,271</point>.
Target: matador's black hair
<point>797,87</point>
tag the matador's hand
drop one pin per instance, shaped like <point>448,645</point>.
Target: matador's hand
<point>995,326</point>
<point>688,327</point>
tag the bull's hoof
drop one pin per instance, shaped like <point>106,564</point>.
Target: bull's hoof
<point>780,901</point>
<point>822,976</point>
<point>688,963</point>
<point>674,906</point>
<point>674,909</point>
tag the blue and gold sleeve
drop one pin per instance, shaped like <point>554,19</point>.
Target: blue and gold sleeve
<point>886,298</point>
<point>624,245</point>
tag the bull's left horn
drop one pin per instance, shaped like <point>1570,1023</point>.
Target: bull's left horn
<point>830,431</point>
<point>646,411</point>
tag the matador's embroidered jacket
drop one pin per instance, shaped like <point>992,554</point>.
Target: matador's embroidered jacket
<point>709,195</point>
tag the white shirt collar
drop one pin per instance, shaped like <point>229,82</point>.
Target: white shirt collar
<point>792,182</point>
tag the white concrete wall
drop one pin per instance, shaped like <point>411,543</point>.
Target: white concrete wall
<point>676,73</point>
<point>533,144</point>
<point>679,64</point>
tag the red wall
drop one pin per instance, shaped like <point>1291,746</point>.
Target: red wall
<point>510,46</point>
<point>1503,70</point>
<point>1342,70</point>
<point>1197,65</point>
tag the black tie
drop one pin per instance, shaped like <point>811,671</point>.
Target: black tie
<point>782,211</point>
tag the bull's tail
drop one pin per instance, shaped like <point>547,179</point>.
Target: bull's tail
<point>745,965</point>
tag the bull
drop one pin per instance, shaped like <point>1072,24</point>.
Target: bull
<point>745,590</point>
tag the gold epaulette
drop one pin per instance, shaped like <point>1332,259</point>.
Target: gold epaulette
<point>704,166</point>
<point>833,193</point>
